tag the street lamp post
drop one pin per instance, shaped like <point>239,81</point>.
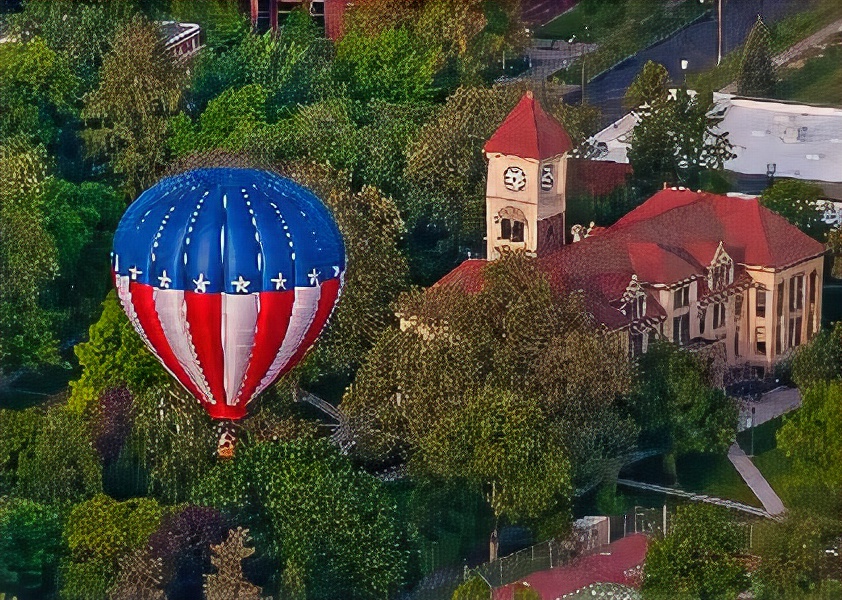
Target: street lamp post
<point>718,29</point>
<point>684,64</point>
<point>752,430</point>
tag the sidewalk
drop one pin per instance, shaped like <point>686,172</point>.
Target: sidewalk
<point>770,406</point>
<point>755,480</point>
<point>617,563</point>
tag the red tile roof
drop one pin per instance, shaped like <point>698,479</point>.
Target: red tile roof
<point>467,276</point>
<point>595,177</point>
<point>671,237</point>
<point>529,132</point>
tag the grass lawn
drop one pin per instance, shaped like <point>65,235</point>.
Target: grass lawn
<point>709,474</point>
<point>784,34</point>
<point>818,80</point>
<point>621,28</point>
<point>599,16</point>
<point>714,475</point>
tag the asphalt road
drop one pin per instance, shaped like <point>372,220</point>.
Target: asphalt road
<point>695,44</point>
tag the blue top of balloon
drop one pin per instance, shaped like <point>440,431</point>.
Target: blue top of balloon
<point>228,230</point>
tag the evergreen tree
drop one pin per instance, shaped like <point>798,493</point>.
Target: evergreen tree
<point>140,578</point>
<point>229,581</point>
<point>757,72</point>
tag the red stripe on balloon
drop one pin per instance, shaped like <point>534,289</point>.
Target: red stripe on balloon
<point>144,305</point>
<point>329,292</point>
<point>272,326</point>
<point>204,316</point>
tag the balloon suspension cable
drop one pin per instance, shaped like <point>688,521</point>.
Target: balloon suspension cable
<point>227,441</point>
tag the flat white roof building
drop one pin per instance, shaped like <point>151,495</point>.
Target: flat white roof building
<point>796,141</point>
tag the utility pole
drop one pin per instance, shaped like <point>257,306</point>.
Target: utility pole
<point>719,32</point>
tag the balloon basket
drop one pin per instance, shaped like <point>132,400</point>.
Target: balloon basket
<point>227,442</point>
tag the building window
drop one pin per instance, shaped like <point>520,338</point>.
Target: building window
<point>681,329</point>
<point>511,230</point>
<point>796,293</point>
<point>795,332</point>
<point>702,321</point>
<point>718,315</point>
<point>639,307</point>
<point>760,304</point>
<point>682,297</point>
<point>760,341</point>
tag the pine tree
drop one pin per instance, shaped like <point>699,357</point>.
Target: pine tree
<point>140,578</point>
<point>228,581</point>
<point>757,72</point>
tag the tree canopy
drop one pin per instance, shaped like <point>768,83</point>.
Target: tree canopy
<point>677,141</point>
<point>698,558</point>
<point>288,489</point>
<point>431,372</point>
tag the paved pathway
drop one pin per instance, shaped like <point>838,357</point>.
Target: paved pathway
<point>770,406</point>
<point>615,564</point>
<point>696,44</point>
<point>651,487</point>
<point>755,480</point>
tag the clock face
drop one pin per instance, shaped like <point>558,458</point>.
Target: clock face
<point>547,178</point>
<point>515,179</point>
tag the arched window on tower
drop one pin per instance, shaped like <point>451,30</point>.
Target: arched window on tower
<point>512,225</point>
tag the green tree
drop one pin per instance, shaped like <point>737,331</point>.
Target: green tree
<point>793,561</point>
<point>30,547</point>
<point>282,491</point>
<point>472,589</point>
<point>19,429</point>
<point>28,258</point>
<point>113,356</point>
<point>223,24</point>
<point>811,436</point>
<point>226,123</point>
<point>98,533</point>
<point>500,443</point>
<point>452,345</point>
<point>37,90</point>
<point>819,361</point>
<point>394,66</point>
<point>698,559</point>
<point>60,466</point>
<point>82,31</point>
<point>676,407</point>
<point>140,89</point>
<point>757,76</point>
<point>677,141</point>
<point>797,202</point>
<point>650,86</point>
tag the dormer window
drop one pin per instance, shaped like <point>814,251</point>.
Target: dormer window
<point>721,270</point>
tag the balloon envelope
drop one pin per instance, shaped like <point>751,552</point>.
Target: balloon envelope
<point>229,276</point>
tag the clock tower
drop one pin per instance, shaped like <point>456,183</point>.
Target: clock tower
<point>527,175</point>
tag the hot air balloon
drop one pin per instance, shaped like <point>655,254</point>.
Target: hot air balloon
<point>229,276</point>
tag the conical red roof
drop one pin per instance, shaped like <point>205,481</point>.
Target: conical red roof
<point>529,132</point>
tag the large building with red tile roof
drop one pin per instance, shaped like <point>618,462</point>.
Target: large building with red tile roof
<point>699,269</point>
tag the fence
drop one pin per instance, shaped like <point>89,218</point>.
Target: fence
<point>560,552</point>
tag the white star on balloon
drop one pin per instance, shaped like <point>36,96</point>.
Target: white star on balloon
<point>280,282</point>
<point>336,271</point>
<point>242,285</point>
<point>314,277</point>
<point>165,281</point>
<point>201,283</point>
<point>135,272</point>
